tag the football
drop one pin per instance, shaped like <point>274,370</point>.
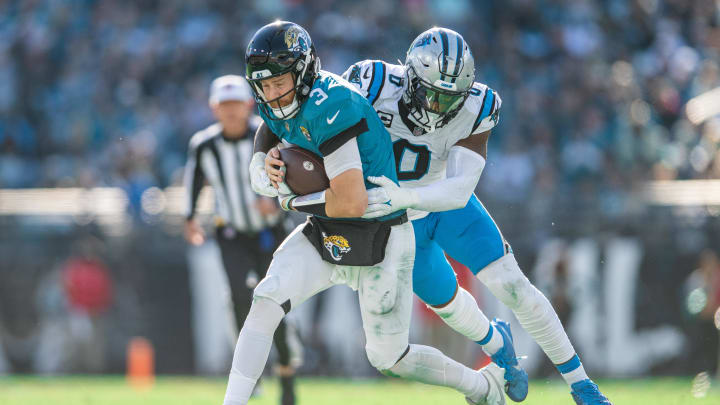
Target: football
<point>304,171</point>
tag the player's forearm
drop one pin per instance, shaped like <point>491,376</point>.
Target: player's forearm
<point>328,203</point>
<point>345,205</point>
<point>346,197</point>
<point>464,168</point>
<point>445,195</point>
<point>265,139</point>
<point>313,204</point>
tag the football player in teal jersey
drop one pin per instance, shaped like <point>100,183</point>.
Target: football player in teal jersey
<point>323,113</point>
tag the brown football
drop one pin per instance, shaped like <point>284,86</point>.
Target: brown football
<point>305,172</point>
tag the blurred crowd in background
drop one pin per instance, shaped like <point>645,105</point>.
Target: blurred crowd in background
<point>107,93</point>
<point>100,92</point>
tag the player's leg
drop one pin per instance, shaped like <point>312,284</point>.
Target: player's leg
<point>386,303</point>
<point>241,253</point>
<point>286,338</point>
<point>471,236</point>
<point>435,283</point>
<point>296,273</point>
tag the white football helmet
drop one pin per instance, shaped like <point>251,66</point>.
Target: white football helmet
<point>440,71</point>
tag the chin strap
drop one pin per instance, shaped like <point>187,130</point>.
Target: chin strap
<point>292,107</point>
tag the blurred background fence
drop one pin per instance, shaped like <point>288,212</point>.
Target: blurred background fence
<point>81,275</point>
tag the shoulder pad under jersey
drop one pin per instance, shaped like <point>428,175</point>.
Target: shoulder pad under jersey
<point>376,79</point>
<point>484,103</point>
<point>333,107</point>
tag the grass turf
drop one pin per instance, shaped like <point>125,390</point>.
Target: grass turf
<point>199,391</point>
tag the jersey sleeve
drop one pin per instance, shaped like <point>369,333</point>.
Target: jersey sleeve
<point>368,76</point>
<point>489,113</point>
<point>339,122</point>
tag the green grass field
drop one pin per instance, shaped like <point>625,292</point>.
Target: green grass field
<point>314,391</point>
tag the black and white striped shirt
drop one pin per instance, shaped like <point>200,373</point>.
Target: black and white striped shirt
<point>224,163</point>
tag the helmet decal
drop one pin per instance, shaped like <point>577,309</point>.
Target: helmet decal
<point>423,40</point>
<point>296,39</point>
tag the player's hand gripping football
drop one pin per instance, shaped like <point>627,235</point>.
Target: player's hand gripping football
<point>388,198</point>
<point>275,169</point>
<point>273,166</point>
<point>259,179</point>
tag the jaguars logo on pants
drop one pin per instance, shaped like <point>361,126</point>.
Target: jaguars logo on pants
<point>336,245</point>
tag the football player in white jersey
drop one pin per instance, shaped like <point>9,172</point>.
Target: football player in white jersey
<point>440,119</point>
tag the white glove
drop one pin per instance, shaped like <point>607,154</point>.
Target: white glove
<point>259,180</point>
<point>283,188</point>
<point>388,198</point>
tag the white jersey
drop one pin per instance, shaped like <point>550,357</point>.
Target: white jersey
<point>420,157</point>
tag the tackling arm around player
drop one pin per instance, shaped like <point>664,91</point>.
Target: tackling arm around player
<point>466,161</point>
<point>433,108</point>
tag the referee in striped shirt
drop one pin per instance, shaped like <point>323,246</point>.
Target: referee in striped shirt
<point>249,227</point>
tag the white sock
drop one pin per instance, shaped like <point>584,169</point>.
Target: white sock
<point>574,376</point>
<point>534,312</point>
<point>572,370</point>
<point>494,341</point>
<point>465,317</point>
<point>428,365</point>
<point>252,350</point>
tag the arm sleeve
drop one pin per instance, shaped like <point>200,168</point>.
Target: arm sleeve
<point>489,113</point>
<point>194,178</point>
<point>464,168</point>
<point>344,158</point>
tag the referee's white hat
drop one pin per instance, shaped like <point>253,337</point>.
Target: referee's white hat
<point>230,88</point>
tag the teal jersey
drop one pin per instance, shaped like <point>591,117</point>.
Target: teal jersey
<point>335,112</point>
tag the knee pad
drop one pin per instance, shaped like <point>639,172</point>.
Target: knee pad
<point>385,350</point>
<point>264,316</point>
<point>508,283</point>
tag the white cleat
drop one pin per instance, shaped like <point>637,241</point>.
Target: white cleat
<point>495,377</point>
